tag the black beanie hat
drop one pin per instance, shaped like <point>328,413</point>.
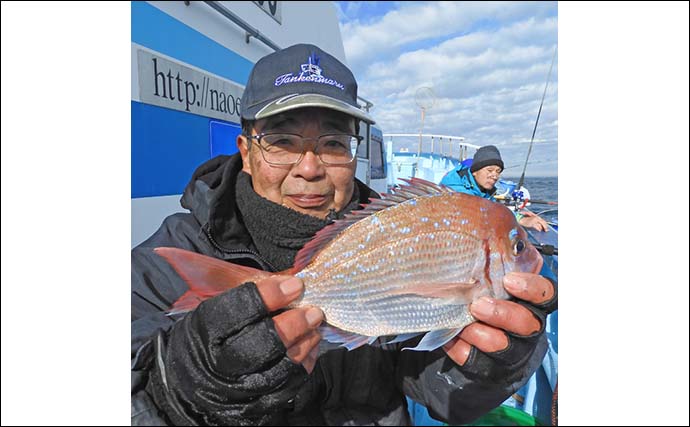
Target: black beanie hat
<point>487,155</point>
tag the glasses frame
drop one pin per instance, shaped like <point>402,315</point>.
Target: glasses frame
<point>258,138</point>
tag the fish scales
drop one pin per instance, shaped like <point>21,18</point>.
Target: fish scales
<point>360,279</point>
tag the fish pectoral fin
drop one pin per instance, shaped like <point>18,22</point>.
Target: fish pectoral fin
<point>349,340</point>
<point>435,339</point>
<point>457,292</point>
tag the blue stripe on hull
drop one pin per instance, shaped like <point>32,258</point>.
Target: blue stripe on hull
<point>168,145</point>
<point>158,31</point>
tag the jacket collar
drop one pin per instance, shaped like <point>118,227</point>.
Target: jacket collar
<point>471,184</point>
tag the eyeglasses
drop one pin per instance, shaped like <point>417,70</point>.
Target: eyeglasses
<point>288,149</point>
<point>496,171</point>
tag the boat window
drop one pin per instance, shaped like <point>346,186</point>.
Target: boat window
<point>376,162</point>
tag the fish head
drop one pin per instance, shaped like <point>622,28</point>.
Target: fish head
<point>511,249</point>
<point>522,254</point>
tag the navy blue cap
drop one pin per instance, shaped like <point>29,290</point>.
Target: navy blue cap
<point>300,76</point>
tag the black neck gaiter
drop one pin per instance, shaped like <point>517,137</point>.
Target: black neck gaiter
<point>279,232</point>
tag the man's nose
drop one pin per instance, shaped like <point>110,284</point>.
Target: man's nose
<point>310,166</point>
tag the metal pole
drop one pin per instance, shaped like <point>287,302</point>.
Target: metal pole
<point>419,147</point>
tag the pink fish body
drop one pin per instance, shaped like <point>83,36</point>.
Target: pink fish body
<point>407,264</point>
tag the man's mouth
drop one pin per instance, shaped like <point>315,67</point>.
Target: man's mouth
<point>307,200</point>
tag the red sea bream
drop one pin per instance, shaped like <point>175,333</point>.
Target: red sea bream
<point>407,264</point>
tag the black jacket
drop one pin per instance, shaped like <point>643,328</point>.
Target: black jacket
<point>364,386</point>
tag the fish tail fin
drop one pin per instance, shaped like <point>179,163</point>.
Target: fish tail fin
<point>206,276</point>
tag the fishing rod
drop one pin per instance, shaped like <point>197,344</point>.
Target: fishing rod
<point>540,213</point>
<point>545,249</point>
<point>534,163</point>
<point>529,151</point>
<point>508,201</point>
<point>541,202</point>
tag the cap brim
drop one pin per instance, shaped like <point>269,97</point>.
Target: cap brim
<point>293,102</point>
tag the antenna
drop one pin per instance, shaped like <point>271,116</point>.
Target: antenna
<point>529,151</point>
<point>425,99</point>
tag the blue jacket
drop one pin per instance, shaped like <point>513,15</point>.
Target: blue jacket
<point>461,179</point>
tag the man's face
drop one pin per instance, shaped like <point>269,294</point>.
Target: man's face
<point>487,176</point>
<point>309,187</point>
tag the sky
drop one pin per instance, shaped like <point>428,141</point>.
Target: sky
<point>486,64</point>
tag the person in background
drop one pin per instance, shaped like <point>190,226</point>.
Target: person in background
<point>243,357</point>
<point>480,179</point>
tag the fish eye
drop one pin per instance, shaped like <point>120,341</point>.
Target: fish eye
<point>518,247</point>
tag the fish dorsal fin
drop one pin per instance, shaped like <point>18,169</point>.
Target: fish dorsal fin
<point>428,186</point>
<point>416,187</point>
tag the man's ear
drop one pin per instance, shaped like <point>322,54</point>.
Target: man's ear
<point>243,147</point>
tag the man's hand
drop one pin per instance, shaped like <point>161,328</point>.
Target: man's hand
<point>496,317</point>
<point>297,327</point>
<point>238,358</point>
<point>532,220</point>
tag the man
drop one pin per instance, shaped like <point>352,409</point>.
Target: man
<point>480,178</point>
<point>242,357</point>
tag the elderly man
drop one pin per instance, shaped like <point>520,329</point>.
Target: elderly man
<point>480,178</point>
<point>242,357</point>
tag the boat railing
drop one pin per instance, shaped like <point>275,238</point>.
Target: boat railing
<point>428,156</point>
<point>443,145</point>
<point>249,30</point>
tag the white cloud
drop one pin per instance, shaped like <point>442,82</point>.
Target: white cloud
<point>416,22</point>
<point>486,62</point>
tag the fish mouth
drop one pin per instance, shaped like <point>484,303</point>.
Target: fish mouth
<point>535,259</point>
<point>540,262</point>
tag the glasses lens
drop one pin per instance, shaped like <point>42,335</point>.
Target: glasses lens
<point>281,149</point>
<point>337,149</point>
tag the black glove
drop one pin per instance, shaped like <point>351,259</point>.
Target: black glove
<point>500,364</point>
<point>224,364</point>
